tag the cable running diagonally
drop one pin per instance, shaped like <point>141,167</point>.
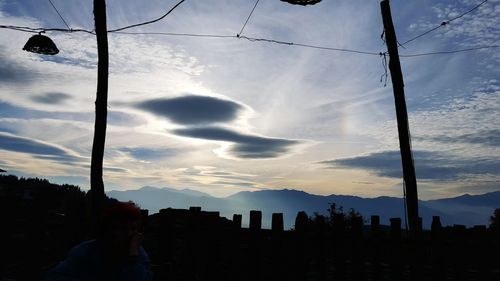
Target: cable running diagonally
<point>443,24</point>
<point>176,34</point>
<point>42,29</point>
<point>251,39</point>
<point>147,22</point>
<point>248,18</point>
<point>449,52</point>
<point>57,11</point>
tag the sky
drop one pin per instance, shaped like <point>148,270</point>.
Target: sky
<point>224,115</point>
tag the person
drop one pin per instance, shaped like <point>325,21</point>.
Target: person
<point>116,254</point>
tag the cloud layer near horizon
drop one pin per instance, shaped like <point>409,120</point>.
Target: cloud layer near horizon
<point>429,165</point>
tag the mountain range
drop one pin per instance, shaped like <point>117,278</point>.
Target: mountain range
<point>467,209</point>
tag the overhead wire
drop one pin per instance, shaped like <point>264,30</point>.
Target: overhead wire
<point>176,34</point>
<point>248,18</point>
<point>253,39</point>
<point>448,52</point>
<point>43,29</point>
<point>69,29</point>
<point>443,24</point>
<point>147,22</point>
<point>57,11</point>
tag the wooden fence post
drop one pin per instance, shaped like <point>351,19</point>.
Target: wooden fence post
<point>375,226</point>
<point>438,263</point>
<point>277,222</point>
<point>255,244</point>
<point>300,260</point>
<point>301,222</point>
<point>375,247</point>
<point>357,248</point>
<point>255,220</point>
<point>237,221</point>
<point>396,259</point>
<point>396,229</point>
<point>340,250</point>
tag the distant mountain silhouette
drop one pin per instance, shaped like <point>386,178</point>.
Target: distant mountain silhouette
<point>468,210</point>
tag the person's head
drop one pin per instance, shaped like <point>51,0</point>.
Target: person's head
<point>120,221</point>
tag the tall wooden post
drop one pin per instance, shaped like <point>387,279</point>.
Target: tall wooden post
<point>402,119</point>
<point>101,111</point>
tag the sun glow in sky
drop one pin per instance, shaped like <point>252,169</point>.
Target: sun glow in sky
<point>223,115</point>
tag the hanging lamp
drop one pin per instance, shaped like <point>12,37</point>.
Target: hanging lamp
<point>302,2</point>
<point>41,44</point>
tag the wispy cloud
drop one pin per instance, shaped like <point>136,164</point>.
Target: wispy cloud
<point>485,138</point>
<point>244,146</point>
<point>149,154</point>
<point>51,98</point>
<point>38,149</point>
<point>429,165</point>
<point>116,118</point>
<point>13,72</point>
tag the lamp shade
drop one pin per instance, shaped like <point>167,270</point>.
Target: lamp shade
<point>41,44</point>
<point>302,2</point>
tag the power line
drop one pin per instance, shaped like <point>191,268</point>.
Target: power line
<point>449,52</point>
<point>53,6</point>
<point>249,16</point>
<point>443,24</point>
<point>251,39</point>
<point>148,22</point>
<point>177,34</point>
<point>42,29</point>
<point>469,11</point>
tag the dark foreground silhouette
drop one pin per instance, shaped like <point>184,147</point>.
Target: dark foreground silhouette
<point>116,254</point>
<point>44,221</point>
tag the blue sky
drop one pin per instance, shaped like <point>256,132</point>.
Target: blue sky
<point>223,115</point>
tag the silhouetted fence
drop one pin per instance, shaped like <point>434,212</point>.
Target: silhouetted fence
<point>197,245</point>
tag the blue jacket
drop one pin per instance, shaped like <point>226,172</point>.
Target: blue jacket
<point>86,261</point>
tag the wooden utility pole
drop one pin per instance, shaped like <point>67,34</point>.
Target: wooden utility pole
<point>101,111</point>
<point>410,179</point>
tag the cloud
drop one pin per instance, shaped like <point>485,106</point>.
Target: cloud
<point>238,184</point>
<point>116,118</point>
<point>12,72</point>
<point>39,149</point>
<point>244,146</point>
<point>485,137</point>
<point>141,153</point>
<point>51,98</point>
<point>193,110</point>
<point>429,165</point>
<point>119,118</point>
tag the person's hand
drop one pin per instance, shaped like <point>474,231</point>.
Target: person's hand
<point>135,244</point>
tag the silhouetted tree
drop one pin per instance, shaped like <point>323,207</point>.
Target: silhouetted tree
<point>335,211</point>
<point>349,216</point>
<point>495,220</point>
